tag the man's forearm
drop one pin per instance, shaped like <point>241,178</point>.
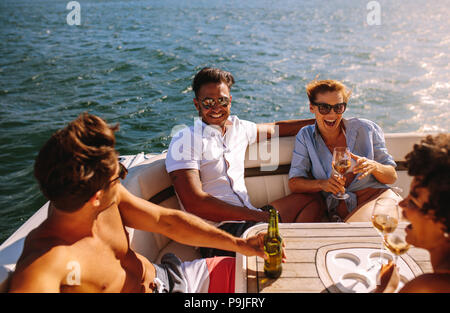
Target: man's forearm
<point>281,128</point>
<point>216,210</point>
<point>178,225</point>
<point>190,192</point>
<point>300,184</point>
<point>292,127</point>
<point>189,229</point>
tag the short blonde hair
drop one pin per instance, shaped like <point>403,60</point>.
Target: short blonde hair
<point>328,85</point>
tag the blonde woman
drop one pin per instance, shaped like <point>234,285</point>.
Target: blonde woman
<point>311,177</point>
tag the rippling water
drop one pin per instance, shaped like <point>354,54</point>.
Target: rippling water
<point>132,62</point>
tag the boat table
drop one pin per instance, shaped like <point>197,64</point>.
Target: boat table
<point>326,257</point>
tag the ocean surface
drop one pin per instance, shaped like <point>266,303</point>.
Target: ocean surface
<point>132,62</point>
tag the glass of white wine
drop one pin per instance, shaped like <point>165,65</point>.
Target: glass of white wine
<point>385,218</point>
<point>396,243</point>
<point>341,163</point>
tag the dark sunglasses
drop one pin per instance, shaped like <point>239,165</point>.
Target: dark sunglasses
<point>122,173</point>
<point>208,103</point>
<point>325,108</point>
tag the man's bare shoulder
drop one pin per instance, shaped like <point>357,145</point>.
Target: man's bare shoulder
<point>429,283</point>
<point>41,266</point>
<point>39,244</point>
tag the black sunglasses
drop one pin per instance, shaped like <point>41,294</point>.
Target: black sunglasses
<point>122,173</point>
<point>208,103</point>
<point>325,108</point>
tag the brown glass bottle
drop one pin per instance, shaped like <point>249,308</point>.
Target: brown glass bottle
<point>273,247</point>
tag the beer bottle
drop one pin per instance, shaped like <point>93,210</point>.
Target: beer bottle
<point>272,246</point>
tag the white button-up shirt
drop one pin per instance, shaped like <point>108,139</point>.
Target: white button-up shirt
<point>220,159</point>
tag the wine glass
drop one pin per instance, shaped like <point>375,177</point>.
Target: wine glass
<point>396,243</point>
<point>385,218</point>
<point>341,163</point>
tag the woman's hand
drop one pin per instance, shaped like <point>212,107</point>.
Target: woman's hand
<point>364,166</point>
<point>389,278</point>
<point>334,184</point>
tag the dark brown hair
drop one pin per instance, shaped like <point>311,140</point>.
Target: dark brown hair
<point>211,75</point>
<point>429,162</point>
<point>76,162</point>
<point>323,86</point>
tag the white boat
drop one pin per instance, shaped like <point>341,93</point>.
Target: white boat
<point>266,180</point>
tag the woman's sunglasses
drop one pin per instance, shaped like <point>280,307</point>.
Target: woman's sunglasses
<point>208,103</point>
<point>325,108</point>
<point>122,173</point>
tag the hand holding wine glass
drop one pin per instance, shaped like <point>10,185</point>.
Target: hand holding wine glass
<point>396,242</point>
<point>341,164</point>
<point>385,217</point>
<point>389,277</point>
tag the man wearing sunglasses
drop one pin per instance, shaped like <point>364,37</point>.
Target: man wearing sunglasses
<point>311,177</point>
<point>207,170</point>
<point>83,245</point>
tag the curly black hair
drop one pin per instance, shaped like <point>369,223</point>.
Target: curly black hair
<point>429,162</point>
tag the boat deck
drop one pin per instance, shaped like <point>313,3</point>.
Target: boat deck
<point>308,266</point>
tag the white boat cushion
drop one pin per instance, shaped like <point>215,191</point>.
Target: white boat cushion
<point>265,189</point>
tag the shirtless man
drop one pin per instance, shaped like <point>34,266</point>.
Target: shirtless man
<point>83,245</point>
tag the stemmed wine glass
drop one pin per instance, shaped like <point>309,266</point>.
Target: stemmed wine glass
<point>396,242</point>
<point>341,163</point>
<point>385,218</point>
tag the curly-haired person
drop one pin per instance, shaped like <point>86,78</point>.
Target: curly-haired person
<point>427,207</point>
